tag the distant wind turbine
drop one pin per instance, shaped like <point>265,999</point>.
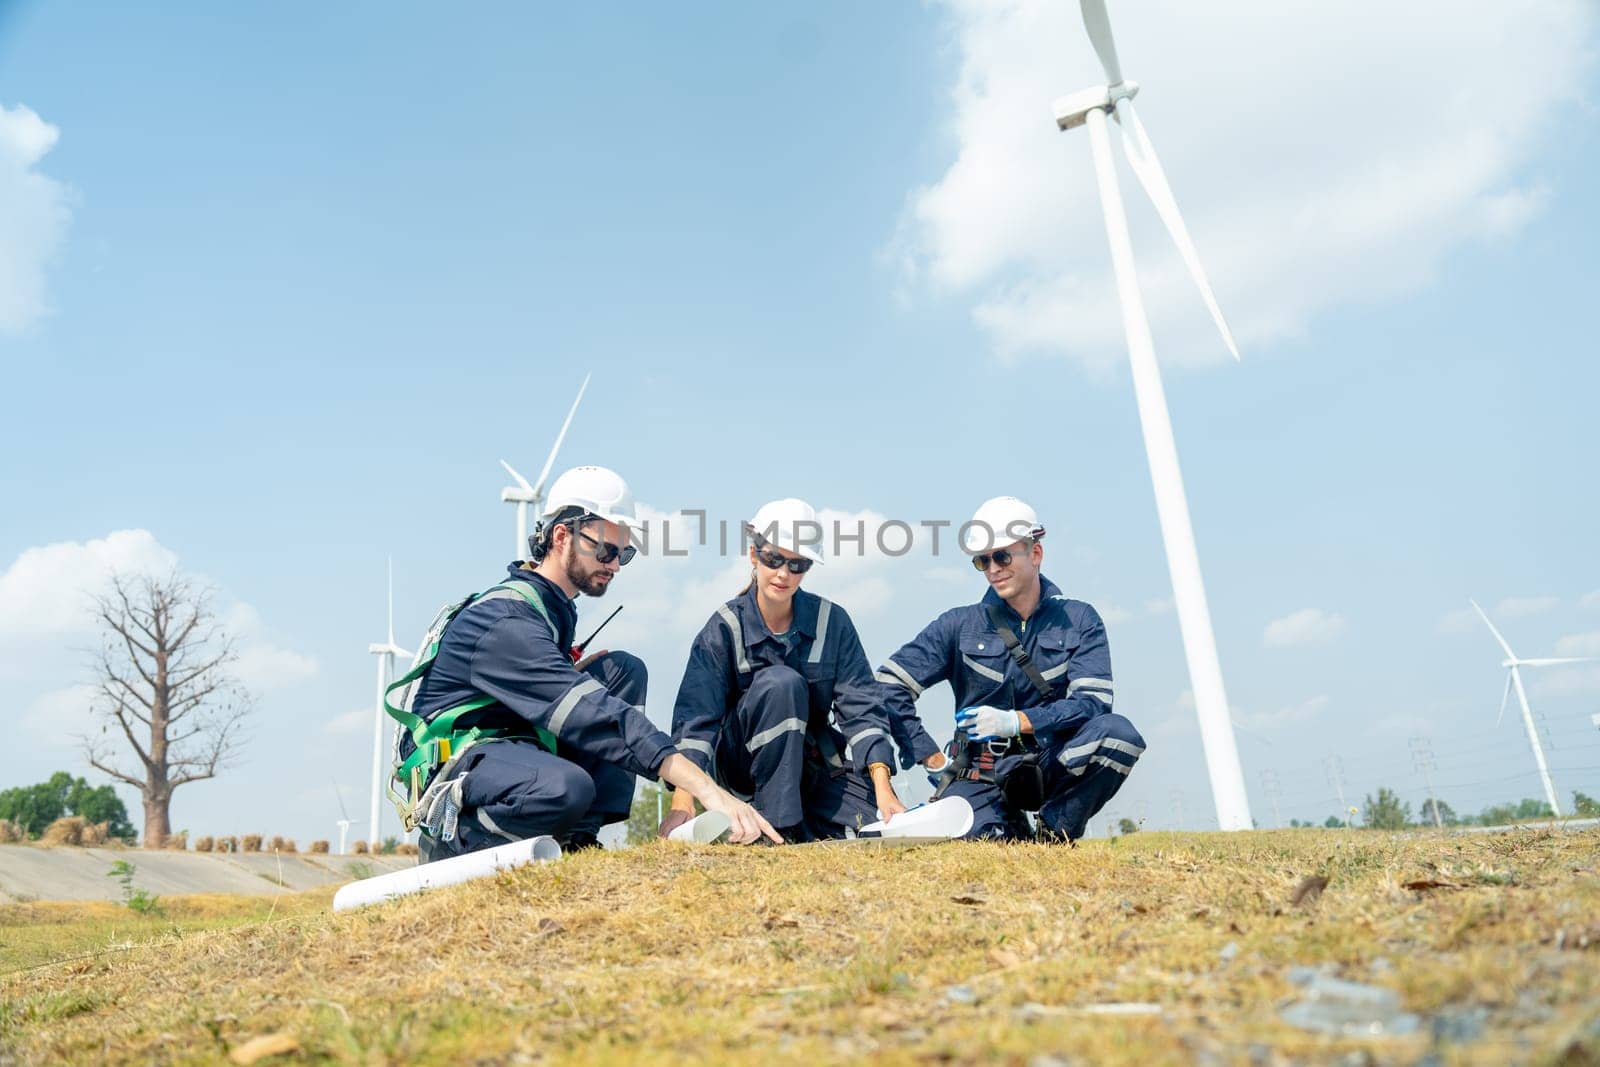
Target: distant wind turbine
<point>345,821</point>
<point>1514,667</point>
<point>386,652</point>
<point>524,495</point>
<point>1091,107</point>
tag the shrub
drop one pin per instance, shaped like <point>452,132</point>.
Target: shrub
<point>96,833</point>
<point>251,843</point>
<point>178,842</point>
<point>406,849</point>
<point>12,832</point>
<point>205,844</point>
<point>67,830</point>
<point>227,844</point>
<point>359,848</point>
<point>289,845</point>
<point>319,846</point>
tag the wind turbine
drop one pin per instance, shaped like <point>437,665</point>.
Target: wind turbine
<point>1091,108</point>
<point>345,821</point>
<point>1514,667</point>
<point>524,495</point>
<point>386,652</point>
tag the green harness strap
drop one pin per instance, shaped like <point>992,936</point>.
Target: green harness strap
<point>437,741</point>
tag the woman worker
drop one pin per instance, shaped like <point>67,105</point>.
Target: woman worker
<point>778,701</point>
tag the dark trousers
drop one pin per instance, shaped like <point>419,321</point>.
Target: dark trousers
<point>1081,773</point>
<point>763,753</point>
<point>514,790</point>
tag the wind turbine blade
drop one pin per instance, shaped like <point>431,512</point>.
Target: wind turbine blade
<point>391,601</point>
<point>538,489</point>
<point>340,794</point>
<point>1147,168</point>
<point>1504,696</point>
<point>520,480</point>
<point>1098,23</point>
<point>1553,662</point>
<point>1509,654</point>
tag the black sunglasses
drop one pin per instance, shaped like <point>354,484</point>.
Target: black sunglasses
<point>772,561</point>
<point>1001,556</point>
<point>605,551</point>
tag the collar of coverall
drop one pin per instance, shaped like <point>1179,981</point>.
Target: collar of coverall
<point>1047,589</point>
<point>755,627</point>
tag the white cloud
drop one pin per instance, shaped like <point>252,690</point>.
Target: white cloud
<point>1521,607</point>
<point>1576,680</point>
<point>47,597</point>
<point>1591,600</point>
<point>1113,614</point>
<point>1285,716</point>
<point>34,212</point>
<point>1159,607</point>
<point>1579,644</point>
<point>57,719</point>
<point>262,668</point>
<point>1303,187</point>
<point>1459,621</point>
<point>1308,626</point>
<point>355,721</point>
<point>48,592</point>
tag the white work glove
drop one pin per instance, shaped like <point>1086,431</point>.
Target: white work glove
<point>989,724</point>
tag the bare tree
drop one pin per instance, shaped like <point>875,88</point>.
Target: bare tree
<point>162,680</point>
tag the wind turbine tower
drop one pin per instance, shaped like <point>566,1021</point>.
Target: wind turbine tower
<point>1514,667</point>
<point>526,496</point>
<point>386,652</point>
<point>1092,108</point>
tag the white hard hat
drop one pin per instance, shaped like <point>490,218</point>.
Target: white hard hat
<point>599,491</point>
<point>790,524</point>
<point>1000,521</point>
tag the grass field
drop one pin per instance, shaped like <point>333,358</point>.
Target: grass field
<point>1154,948</point>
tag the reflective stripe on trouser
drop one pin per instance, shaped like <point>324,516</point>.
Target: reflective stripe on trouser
<point>1097,761</point>
<point>761,752</point>
<point>515,789</point>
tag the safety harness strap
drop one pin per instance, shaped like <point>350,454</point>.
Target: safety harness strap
<point>437,743</point>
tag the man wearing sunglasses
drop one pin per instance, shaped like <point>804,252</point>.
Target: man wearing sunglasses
<point>1031,671</point>
<point>548,746</point>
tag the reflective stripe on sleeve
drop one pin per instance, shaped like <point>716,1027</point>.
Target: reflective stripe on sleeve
<point>558,718</point>
<point>894,674</point>
<point>694,745</point>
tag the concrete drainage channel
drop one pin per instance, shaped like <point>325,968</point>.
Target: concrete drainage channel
<point>30,873</point>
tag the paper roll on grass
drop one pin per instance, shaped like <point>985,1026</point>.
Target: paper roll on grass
<point>950,817</point>
<point>452,871</point>
<point>704,829</point>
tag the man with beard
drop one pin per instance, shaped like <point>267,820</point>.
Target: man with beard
<point>536,744</point>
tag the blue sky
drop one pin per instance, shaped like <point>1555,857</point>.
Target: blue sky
<point>287,282</point>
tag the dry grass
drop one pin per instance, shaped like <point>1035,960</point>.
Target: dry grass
<point>955,953</point>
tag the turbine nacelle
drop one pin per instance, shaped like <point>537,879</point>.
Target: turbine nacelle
<point>1073,111</point>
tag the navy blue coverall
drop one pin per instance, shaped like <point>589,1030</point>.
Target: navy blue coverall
<point>793,724</point>
<point>1085,750</point>
<point>515,789</point>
